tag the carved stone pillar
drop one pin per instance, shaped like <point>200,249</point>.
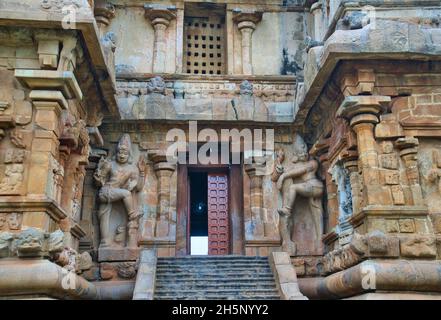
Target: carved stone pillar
<point>163,171</point>
<point>48,106</point>
<point>160,18</point>
<point>256,172</point>
<point>246,22</point>
<point>104,11</point>
<point>408,152</point>
<point>362,113</point>
<point>45,161</point>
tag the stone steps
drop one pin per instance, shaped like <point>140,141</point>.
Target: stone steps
<point>215,277</point>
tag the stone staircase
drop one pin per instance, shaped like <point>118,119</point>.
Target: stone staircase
<point>215,278</point>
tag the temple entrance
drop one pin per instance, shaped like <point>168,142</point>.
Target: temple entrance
<point>210,215</point>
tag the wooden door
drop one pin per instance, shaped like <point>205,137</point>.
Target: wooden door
<point>218,225</point>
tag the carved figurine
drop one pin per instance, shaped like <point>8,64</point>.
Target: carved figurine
<point>119,180</point>
<point>302,180</point>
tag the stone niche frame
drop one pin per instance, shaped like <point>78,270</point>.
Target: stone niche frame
<point>235,187</point>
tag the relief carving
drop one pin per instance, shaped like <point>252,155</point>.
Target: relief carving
<point>17,139</point>
<point>341,177</point>
<point>301,180</point>
<point>12,179</point>
<point>156,85</point>
<point>10,221</point>
<point>120,180</point>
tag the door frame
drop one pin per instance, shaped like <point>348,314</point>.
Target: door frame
<point>235,206</point>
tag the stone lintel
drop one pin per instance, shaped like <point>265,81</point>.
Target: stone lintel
<point>63,81</point>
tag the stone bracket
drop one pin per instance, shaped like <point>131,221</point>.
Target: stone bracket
<point>63,81</point>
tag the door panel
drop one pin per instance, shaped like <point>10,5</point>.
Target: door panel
<point>218,225</point>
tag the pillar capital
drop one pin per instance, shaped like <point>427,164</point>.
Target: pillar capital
<point>104,11</point>
<point>256,168</point>
<point>247,18</point>
<point>158,14</point>
<point>363,109</point>
<point>406,143</point>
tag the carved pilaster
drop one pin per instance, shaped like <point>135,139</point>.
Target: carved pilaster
<point>246,22</point>
<point>408,152</point>
<point>256,172</point>
<point>163,171</point>
<point>160,18</point>
<point>46,177</point>
<point>362,113</point>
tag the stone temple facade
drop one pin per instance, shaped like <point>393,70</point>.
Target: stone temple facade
<point>337,197</point>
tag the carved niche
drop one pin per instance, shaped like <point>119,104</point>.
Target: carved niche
<point>119,180</point>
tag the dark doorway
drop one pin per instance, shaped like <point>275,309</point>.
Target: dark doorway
<point>198,213</point>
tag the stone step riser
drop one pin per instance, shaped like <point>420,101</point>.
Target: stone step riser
<point>213,271</point>
<point>213,281</point>
<point>211,287</point>
<point>213,276</point>
<point>218,298</point>
<point>217,278</point>
<point>244,293</point>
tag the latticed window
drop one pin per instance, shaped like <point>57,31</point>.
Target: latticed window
<point>204,39</point>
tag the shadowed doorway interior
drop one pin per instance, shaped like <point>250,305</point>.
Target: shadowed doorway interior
<point>198,213</point>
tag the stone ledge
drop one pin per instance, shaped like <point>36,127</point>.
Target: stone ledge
<point>27,204</point>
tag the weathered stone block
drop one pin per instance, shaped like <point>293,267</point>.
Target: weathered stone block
<point>418,246</point>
